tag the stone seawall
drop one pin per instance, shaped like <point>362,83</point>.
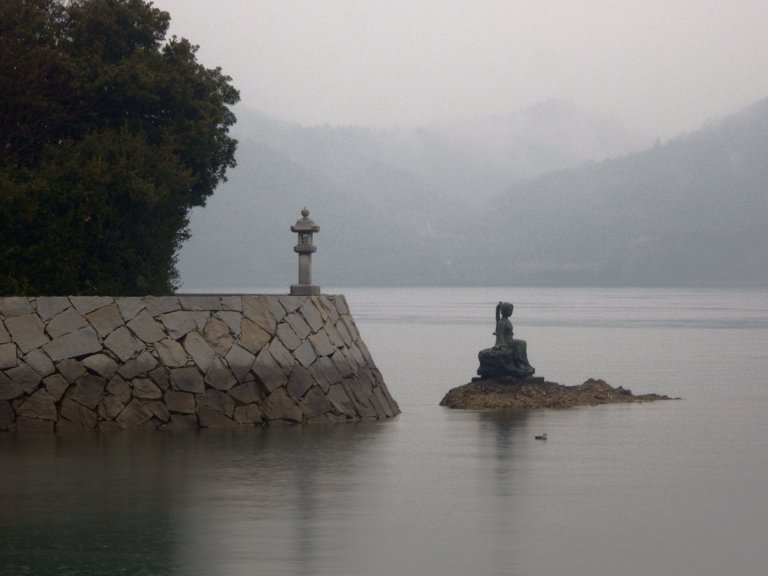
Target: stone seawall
<point>184,362</point>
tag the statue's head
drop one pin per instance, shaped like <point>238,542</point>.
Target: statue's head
<point>506,309</point>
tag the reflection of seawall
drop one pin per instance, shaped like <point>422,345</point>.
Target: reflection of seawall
<point>183,362</point>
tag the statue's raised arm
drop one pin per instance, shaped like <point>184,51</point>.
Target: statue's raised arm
<point>508,357</point>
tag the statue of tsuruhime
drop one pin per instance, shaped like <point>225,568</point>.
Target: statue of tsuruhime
<point>508,357</point>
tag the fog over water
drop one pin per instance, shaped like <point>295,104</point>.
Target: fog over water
<point>665,66</point>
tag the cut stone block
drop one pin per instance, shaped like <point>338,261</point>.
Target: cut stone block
<point>188,379</point>
<point>200,319</point>
<point>88,390</point>
<point>253,338</point>
<point>217,334</point>
<point>198,348</point>
<point>8,356</point>
<point>142,364</point>
<point>341,401</point>
<point>207,417</point>
<point>5,337</point>
<point>66,322</point>
<point>110,407</point>
<point>80,343</point>
<point>340,303</point>
<point>291,303</point>
<point>311,314</point>
<point>25,376</point>
<point>322,344</point>
<point>56,385</point>
<point>232,320</point>
<point>351,327</point>
<point>156,306</point>
<point>343,363</point>
<point>134,415</point>
<point>315,403</point>
<point>207,303</point>
<point>146,328</point>
<point>217,400</point>
<point>268,372</point>
<point>161,376</point>
<point>250,414</point>
<point>279,406</point>
<point>325,373</point>
<point>40,405</point>
<point>245,393</point>
<point>287,336</point>
<point>232,302</point>
<point>178,324</point>
<point>341,328</point>
<point>276,310</point>
<point>105,320</point>
<point>146,389</point>
<point>299,382</point>
<point>171,353</point>
<point>129,306</point>
<point>80,416</point>
<point>158,409</point>
<point>298,324</point>
<point>48,306</point>
<point>123,344</point>
<point>101,364</point>
<point>240,362</point>
<point>333,335</point>
<point>219,376</point>
<point>27,331</point>
<point>70,369</point>
<point>305,354</point>
<point>40,362</point>
<point>15,306</point>
<point>181,402</point>
<point>9,390</point>
<point>86,304</point>
<point>255,309</point>
<point>120,388</point>
<point>281,355</point>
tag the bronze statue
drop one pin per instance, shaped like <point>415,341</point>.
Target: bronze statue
<point>508,357</point>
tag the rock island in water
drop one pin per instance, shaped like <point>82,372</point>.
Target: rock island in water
<point>510,393</point>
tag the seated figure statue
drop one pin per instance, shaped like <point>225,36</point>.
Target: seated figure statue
<point>508,357</point>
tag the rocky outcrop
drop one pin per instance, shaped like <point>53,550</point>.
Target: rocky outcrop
<point>509,393</point>
<point>184,362</point>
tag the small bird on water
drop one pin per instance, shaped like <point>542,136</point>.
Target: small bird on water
<point>541,436</point>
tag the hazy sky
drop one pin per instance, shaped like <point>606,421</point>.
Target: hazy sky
<point>664,64</point>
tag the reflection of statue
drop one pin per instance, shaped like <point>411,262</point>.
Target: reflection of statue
<point>508,357</point>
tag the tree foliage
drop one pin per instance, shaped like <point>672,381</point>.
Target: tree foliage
<point>110,133</point>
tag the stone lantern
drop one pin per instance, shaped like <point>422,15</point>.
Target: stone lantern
<point>305,227</point>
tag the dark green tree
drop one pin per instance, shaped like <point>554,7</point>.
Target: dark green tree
<point>110,133</point>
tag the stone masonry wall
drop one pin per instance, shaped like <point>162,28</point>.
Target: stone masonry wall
<point>184,362</point>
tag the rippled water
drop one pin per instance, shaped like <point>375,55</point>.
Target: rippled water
<point>665,488</point>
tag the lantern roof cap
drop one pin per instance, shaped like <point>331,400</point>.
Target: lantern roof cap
<point>305,223</point>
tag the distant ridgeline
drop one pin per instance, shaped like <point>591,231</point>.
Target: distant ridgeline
<point>184,362</point>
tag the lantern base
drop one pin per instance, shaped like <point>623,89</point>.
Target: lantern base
<point>304,290</point>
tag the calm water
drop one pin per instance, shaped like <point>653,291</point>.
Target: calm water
<point>666,488</point>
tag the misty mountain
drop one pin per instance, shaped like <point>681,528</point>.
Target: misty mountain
<point>501,200</point>
<point>691,212</point>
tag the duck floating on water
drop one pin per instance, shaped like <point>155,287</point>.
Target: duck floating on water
<point>541,436</point>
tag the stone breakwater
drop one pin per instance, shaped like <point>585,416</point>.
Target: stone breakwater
<point>182,362</point>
